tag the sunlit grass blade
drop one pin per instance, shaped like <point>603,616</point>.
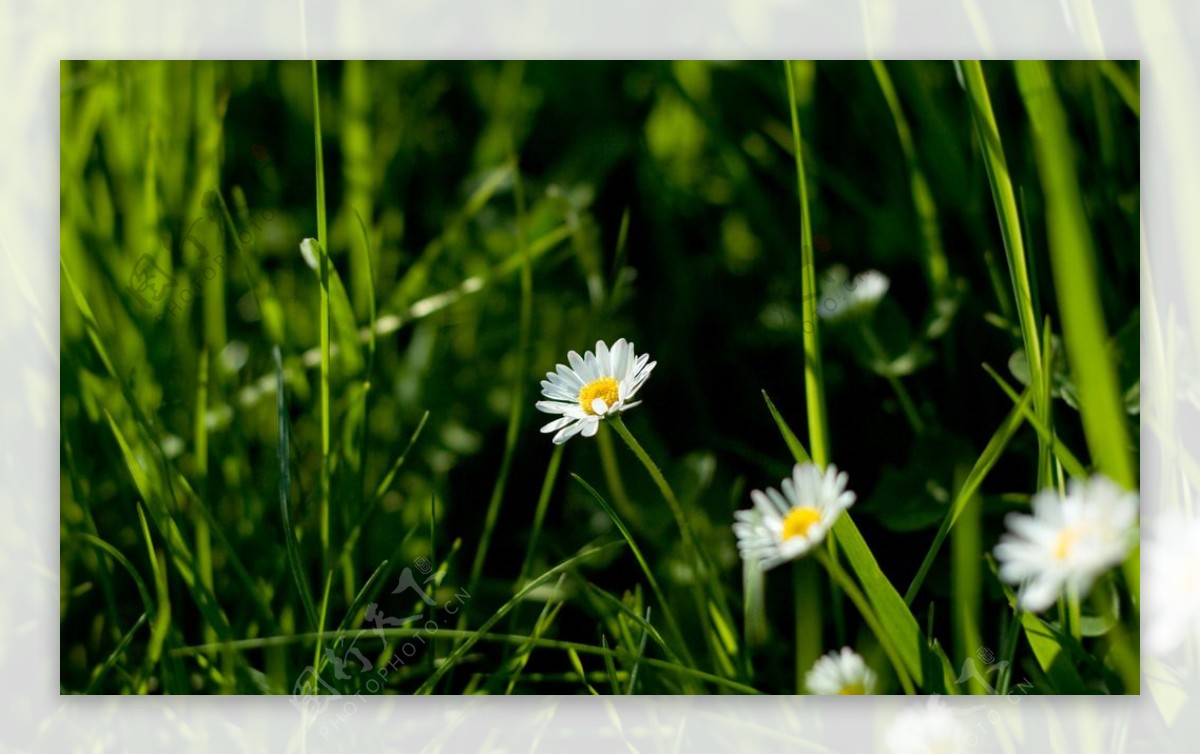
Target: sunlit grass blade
<point>324,265</point>
<point>814,382</point>
<point>883,633</point>
<point>1076,280</point>
<point>162,615</point>
<point>966,558</point>
<point>321,619</point>
<point>114,656</point>
<point>1009,221</point>
<point>793,443</point>
<point>481,635</point>
<point>203,537</point>
<point>886,603</point>
<point>181,555</point>
<point>1061,452</point>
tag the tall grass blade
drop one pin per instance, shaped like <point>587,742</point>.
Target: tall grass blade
<point>1076,278</point>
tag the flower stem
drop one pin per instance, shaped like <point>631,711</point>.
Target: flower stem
<point>1074,613</point>
<point>860,602</point>
<point>612,475</point>
<point>685,530</point>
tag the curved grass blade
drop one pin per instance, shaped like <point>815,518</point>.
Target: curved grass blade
<point>470,638</point>
<point>637,554</point>
<point>1063,454</point>
<point>114,655</point>
<point>983,465</point>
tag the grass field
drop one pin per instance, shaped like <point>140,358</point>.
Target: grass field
<point>313,468</point>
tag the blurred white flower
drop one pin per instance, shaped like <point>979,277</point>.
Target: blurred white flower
<point>308,250</point>
<point>784,526</point>
<point>1068,541</point>
<point>1172,583</point>
<point>842,297</point>
<point>840,673</point>
<point>593,387</point>
<point>932,727</point>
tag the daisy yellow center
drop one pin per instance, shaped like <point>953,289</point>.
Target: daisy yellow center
<point>1066,540</point>
<point>605,388</point>
<point>798,521</point>
<point>853,688</point>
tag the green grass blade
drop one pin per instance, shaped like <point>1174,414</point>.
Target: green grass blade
<point>637,554</point>
<point>181,556</point>
<point>814,382</point>
<point>539,515</point>
<point>117,652</point>
<point>1009,220</point>
<point>1126,87</point>
<point>470,638</point>
<point>1061,452</point>
<point>966,558</point>
<point>883,632</point>
<point>1076,278</point>
<point>793,443</point>
<point>147,599</point>
<point>983,465</point>
<point>892,610</point>
<point>324,265</point>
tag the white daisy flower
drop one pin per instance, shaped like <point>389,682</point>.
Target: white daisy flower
<point>842,297</point>
<point>840,673</point>
<point>932,727</point>
<point>593,387</point>
<point>784,526</point>
<point>1171,587</point>
<point>1068,541</point>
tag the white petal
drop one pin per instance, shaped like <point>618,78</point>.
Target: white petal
<point>570,378</point>
<point>552,391</point>
<point>620,358</point>
<point>603,359</point>
<point>554,407</point>
<point>590,428</point>
<point>580,367</point>
<point>568,432</point>
<point>593,366</point>
<point>599,407</point>
<point>558,424</point>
